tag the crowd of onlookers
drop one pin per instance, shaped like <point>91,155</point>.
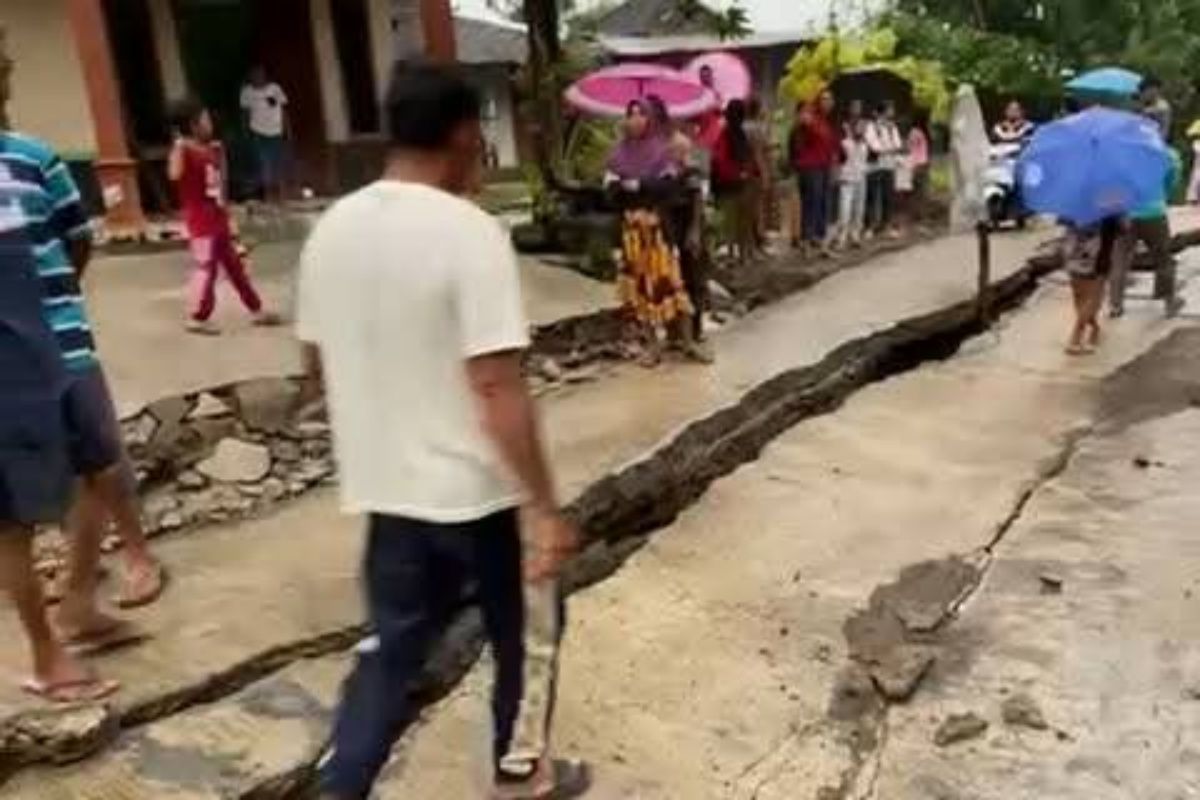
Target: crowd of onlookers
<point>834,181</point>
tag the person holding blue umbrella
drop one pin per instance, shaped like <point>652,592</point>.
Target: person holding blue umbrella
<point>1091,170</point>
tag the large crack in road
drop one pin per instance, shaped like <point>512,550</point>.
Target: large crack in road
<point>620,511</point>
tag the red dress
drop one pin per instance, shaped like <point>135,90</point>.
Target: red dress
<point>202,191</point>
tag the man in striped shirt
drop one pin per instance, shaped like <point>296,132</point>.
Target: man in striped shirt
<point>40,205</point>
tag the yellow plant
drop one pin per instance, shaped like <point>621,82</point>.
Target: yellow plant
<point>816,66</point>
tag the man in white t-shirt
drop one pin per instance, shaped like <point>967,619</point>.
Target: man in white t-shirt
<point>264,105</point>
<point>410,305</point>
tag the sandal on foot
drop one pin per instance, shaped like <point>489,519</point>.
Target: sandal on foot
<point>130,597</point>
<point>119,634</point>
<point>566,780</point>
<point>83,690</point>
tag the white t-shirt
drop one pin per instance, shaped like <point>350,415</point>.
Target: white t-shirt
<point>401,284</point>
<point>266,105</point>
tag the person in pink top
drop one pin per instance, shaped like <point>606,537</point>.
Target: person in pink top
<point>912,174</point>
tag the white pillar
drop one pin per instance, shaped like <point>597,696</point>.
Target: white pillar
<point>333,99</point>
<point>166,45</point>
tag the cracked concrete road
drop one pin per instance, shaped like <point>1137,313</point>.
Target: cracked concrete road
<point>590,430</point>
<point>1111,657</point>
<point>203,626</point>
<point>704,668</point>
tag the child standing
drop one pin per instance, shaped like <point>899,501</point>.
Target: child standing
<point>1089,257</point>
<point>852,181</point>
<point>197,166</point>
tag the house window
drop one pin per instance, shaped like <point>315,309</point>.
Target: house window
<point>352,33</point>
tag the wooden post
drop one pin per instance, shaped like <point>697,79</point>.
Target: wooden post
<point>116,171</point>
<point>437,25</point>
<point>983,232</point>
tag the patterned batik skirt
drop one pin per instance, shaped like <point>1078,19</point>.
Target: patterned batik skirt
<point>650,282</point>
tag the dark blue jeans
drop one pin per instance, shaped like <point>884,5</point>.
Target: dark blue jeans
<point>815,188</point>
<point>418,575</point>
<point>881,192</point>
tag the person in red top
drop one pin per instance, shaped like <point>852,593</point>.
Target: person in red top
<point>734,171</point>
<point>197,166</point>
<point>815,153</point>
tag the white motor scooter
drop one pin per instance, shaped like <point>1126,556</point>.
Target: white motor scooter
<point>1001,191</point>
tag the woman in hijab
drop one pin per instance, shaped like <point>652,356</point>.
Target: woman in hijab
<point>650,283</point>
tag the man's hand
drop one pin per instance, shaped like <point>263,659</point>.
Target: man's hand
<point>552,540</point>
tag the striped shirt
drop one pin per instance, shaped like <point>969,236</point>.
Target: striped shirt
<point>40,208</point>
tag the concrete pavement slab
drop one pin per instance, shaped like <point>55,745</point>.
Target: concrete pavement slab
<point>703,668</point>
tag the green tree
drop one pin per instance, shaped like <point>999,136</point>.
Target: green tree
<point>1025,46</point>
<point>730,23</point>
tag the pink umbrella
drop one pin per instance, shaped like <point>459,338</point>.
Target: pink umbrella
<point>731,77</point>
<point>609,91</point>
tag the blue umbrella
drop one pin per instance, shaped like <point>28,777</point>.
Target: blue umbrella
<point>1108,80</point>
<point>1097,164</point>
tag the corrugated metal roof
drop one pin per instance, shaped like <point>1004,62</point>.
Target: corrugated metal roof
<point>654,17</point>
<point>644,46</point>
<point>484,42</point>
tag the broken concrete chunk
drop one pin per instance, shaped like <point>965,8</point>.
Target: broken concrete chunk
<point>853,695</point>
<point>266,404</point>
<point>159,504</point>
<point>209,407</point>
<point>900,674</point>
<point>285,451</point>
<point>960,728</point>
<point>1052,583</point>
<point>583,374</point>
<point>170,411</point>
<point>61,736</point>
<point>1022,711</point>
<point>312,429</point>
<point>550,369</point>
<point>236,461</point>
<point>274,489</point>
<point>139,430</point>
<point>251,490</point>
<point>171,521</point>
<point>191,481</point>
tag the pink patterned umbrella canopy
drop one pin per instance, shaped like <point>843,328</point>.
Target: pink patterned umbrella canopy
<point>730,76</point>
<point>608,91</point>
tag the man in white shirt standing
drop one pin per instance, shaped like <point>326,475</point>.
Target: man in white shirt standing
<point>410,305</point>
<point>264,105</point>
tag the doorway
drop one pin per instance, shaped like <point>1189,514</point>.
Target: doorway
<point>221,40</point>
